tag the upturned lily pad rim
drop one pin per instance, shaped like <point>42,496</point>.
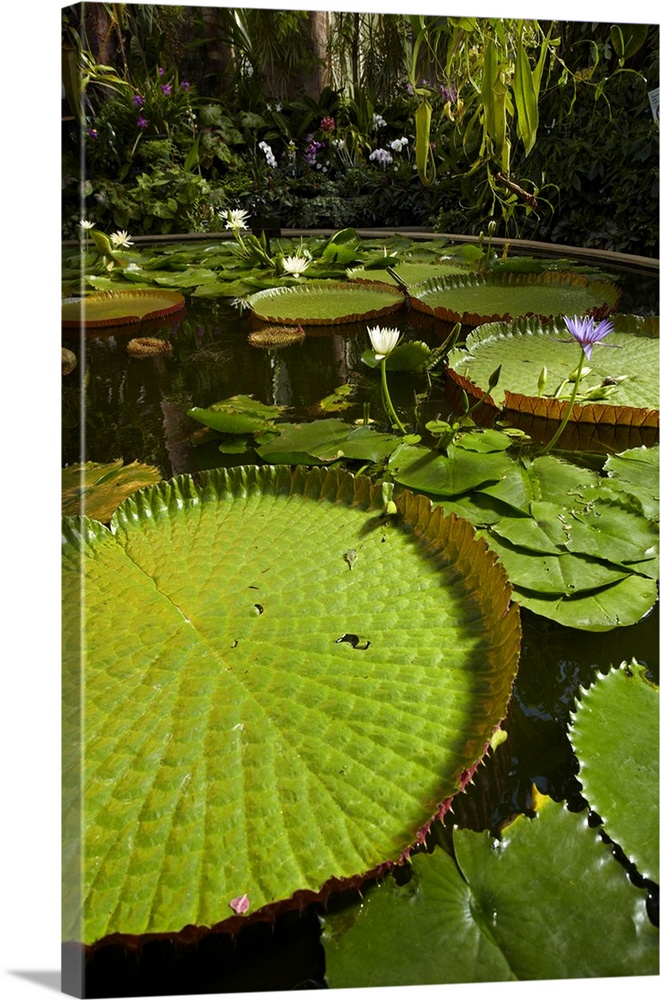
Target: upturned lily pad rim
<point>277,305</point>
<point>599,412</point>
<point>419,293</point>
<point>450,538</point>
<point>141,305</point>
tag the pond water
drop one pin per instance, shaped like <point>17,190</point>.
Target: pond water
<point>136,410</point>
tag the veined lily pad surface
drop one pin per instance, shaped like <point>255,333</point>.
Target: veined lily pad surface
<point>281,687</point>
<point>621,386</point>
<point>120,308</point>
<point>318,303</point>
<point>474,299</point>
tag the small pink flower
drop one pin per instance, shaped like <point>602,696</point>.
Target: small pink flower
<point>241,904</point>
<point>327,124</point>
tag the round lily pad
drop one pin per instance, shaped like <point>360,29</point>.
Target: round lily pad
<point>621,386</point>
<point>410,271</point>
<point>614,733</point>
<point>473,299</point>
<point>119,308</point>
<point>318,303</point>
<point>282,684</point>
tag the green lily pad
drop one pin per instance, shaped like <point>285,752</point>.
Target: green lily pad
<point>319,303</point>
<point>628,358</point>
<point>97,489</point>
<point>554,573</point>
<point>411,272</point>
<point>261,713</point>
<point>614,733</point>
<point>636,473</point>
<point>472,299</point>
<point>623,603</point>
<point>325,440</point>
<point>119,308</point>
<point>236,415</point>
<point>546,902</point>
<point>448,475</point>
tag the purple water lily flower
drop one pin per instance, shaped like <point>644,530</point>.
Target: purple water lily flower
<point>587,333</point>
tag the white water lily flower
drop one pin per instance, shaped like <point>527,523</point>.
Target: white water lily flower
<point>234,218</point>
<point>295,265</point>
<point>383,341</point>
<point>121,239</point>
<point>84,224</point>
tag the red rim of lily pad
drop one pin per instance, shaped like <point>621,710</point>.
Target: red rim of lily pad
<point>120,308</point>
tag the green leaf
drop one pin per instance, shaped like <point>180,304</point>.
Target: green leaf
<point>446,475</point>
<point>232,744</point>
<point>484,441</point>
<point>622,603</point>
<point>525,97</point>
<point>627,39</point>
<point>520,908</point>
<point>236,415</point>
<point>614,733</point>
<point>636,472</point>
<point>550,573</point>
<point>326,440</point>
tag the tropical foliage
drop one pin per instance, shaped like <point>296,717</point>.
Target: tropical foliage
<point>473,120</point>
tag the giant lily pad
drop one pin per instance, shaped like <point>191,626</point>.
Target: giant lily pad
<point>547,901</point>
<point>474,299</point>
<point>615,736</point>
<point>280,688</point>
<point>326,302</point>
<point>119,308</point>
<point>621,386</point>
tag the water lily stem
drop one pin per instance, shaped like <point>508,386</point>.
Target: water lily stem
<point>387,402</point>
<point>576,385</point>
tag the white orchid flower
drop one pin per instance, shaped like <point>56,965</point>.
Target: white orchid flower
<point>383,340</point>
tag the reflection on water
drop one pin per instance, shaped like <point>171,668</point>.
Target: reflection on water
<point>135,408</point>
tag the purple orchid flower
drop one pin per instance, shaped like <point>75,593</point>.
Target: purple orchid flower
<point>138,100</point>
<point>142,122</point>
<point>167,90</point>
<point>587,333</point>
